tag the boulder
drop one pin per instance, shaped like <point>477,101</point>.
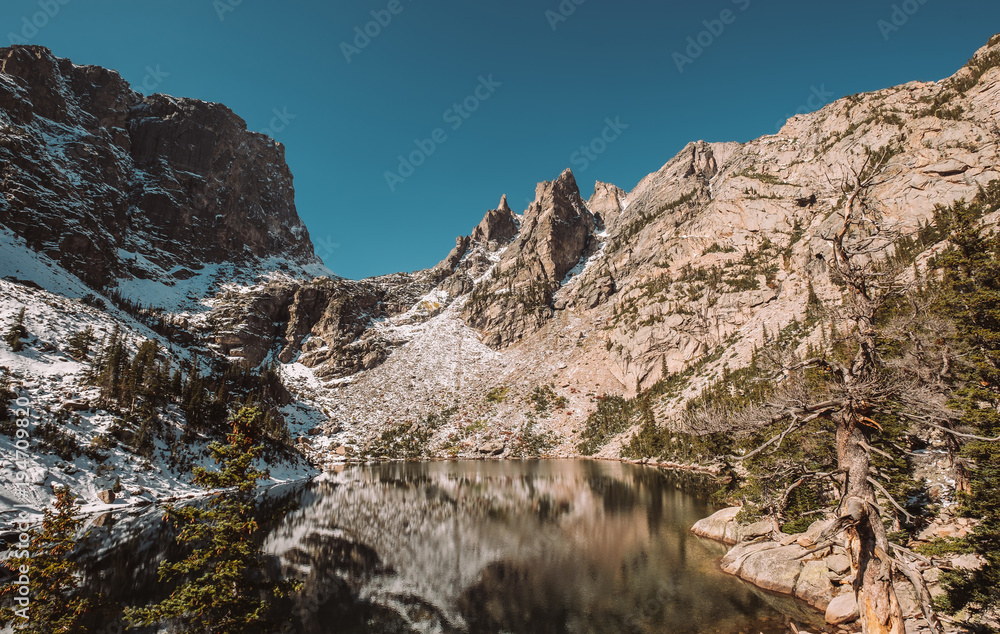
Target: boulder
<point>106,495</point>
<point>755,530</point>
<point>76,406</point>
<point>840,564</point>
<point>944,530</point>
<point>907,598</point>
<point>842,609</point>
<point>716,525</point>
<point>811,536</point>
<point>774,569</point>
<point>492,448</point>
<point>814,585</point>
<point>967,562</point>
<point>733,561</point>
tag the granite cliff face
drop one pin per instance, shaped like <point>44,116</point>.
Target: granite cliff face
<point>323,324</point>
<point>691,270</point>
<point>515,295</point>
<point>561,303</point>
<point>117,186</point>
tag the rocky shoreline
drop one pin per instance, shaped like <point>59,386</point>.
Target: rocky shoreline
<point>791,565</point>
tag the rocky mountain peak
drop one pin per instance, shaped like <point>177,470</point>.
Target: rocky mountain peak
<point>555,231</point>
<point>500,225</point>
<point>117,187</point>
<point>516,298</point>
<point>606,203</point>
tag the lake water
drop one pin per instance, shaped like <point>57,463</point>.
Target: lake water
<point>533,546</point>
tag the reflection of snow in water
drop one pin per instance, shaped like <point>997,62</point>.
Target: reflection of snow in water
<point>573,538</point>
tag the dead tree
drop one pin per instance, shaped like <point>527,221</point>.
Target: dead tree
<point>853,392</point>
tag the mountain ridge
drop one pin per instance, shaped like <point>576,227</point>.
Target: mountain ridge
<point>506,346</point>
<point>118,187</point>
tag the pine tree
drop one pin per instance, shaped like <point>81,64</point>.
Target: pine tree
<point>220,591</point>
<point>17,332</point>
<point>108,368</point>
<point>56,599</point>
<point>6,395</point>
<point>80,342</point>
<point>970,296</point>
<point>176,383</point>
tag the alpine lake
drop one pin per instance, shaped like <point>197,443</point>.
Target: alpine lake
<point>516,546</point>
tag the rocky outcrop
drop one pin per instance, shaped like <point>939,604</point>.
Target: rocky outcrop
<point>555,233</point>
<point>792,565</point>
<point>517,297</point>
<point>721,526</point>
<point>324,324</point>
<point>842,610</point>
<point>500,225</point>
<point>474,255</point>
<point>114,185</point>
<point>607,203</point>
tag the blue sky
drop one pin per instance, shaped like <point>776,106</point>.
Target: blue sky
<point>486,98</point>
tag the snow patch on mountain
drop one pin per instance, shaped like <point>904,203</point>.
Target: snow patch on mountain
<point>56,390</point>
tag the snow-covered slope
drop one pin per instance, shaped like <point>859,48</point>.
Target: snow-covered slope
<point>157,197</point>
<point>53,387</point>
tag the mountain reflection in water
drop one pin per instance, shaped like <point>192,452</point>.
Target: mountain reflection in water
<point>536,546</point>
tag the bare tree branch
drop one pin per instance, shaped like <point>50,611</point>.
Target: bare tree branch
<point>892,501</point>
<point>923,594</point>
<point>960,434</point>
<point>871,449</point>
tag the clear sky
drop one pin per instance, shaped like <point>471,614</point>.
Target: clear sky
<point>533,81</point>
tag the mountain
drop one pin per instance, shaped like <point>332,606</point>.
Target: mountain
<point>153,196</point>
<point>721,249</point>
<point>510,343</point>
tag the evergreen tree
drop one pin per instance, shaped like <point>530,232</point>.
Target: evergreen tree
<point>220,589</point>
<point>108,368</point>
<point>971,297</point>
<point>17,332</point>
<point>80,342</point>
<point>176,383</point>
<point>56,600</point>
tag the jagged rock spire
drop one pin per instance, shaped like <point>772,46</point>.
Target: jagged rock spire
<point>499,225</point>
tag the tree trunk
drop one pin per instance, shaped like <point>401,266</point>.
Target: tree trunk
<point>866,540</point>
